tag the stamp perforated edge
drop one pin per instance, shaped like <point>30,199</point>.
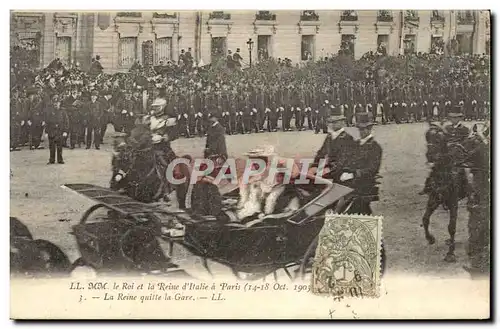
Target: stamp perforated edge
<point>379,219</point>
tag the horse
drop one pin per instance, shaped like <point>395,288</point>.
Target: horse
<point>446,184</point>
<point>139,169</point>
<point>478,205</point>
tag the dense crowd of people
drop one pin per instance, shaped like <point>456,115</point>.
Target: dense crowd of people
<point>273,94</point>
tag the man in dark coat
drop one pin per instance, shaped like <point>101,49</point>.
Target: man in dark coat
<point>57,125</point>
<point>94,115</point>
<point>107,117</point>
<point>216,140</point>
<point>338,146</point>
<point>34,118</point>
<point>364,167</point>
<point>16,118</point>
<point>71,105</point>
<point>96,67</point>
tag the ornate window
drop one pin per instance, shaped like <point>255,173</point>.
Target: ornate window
<point>437,45</point>
<point>382,44</point>
<point>307,47</point>
<point>163,50</point>
<point>347,45</point>
<point>384,16</point>
<point>165,15</point>
<point>411,16</point>
<point>264,47</point>
<point>349,15</point>
<point>409,44</point>
<point>309,15</point>
<point>26,51</point>
<point>219,15</point>
<point>127,51</point>
<point>63,50</point>
<point>133,14</point>
<point>265,16</point>
<point>437,16</point>
<point>465,17</point>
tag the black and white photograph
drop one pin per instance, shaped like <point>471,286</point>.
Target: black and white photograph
<point>178,164</point>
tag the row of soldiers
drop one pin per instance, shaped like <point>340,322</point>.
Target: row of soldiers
<point>88,112</point>
<point>255,108</point>
<point>244,108</point>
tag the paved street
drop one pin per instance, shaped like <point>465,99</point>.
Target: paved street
<point>49,211</point>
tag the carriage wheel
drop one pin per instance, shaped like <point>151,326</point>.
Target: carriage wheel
<point>89,211</point>
<point>81,263</point>
<point>306,260</point>
<point>54,258</point>
<point>342,207</point>
<point>252,276</point>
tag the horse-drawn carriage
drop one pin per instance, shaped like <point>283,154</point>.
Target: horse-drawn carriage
<point>127,234</point>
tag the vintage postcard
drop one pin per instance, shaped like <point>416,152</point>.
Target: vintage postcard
<point>257,164</point>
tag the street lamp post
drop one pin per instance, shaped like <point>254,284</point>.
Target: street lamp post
<point>250,47</point>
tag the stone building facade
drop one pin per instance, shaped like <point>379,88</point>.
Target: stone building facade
<point>119,37</point>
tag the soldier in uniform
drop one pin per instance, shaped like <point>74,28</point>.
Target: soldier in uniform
<point>396,97</point>
<point>94,112</point>
<point>248,112</point>
<point>324,110</point>
<point>309,99</point>
<point>226,119</point>
<point>16,119</point>
<point>298,107</point>
<point>288,103</point>
<point>347,99</point>
<point>371,100</point>
<point>34,118</point>
<point>107,117</point>
<point>57,125</point>
<point>273,102</point>
<point>238,105</point>
<point>470,102</point>
<point>359,97</point>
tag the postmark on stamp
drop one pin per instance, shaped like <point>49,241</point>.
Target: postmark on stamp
<point>347,260</point>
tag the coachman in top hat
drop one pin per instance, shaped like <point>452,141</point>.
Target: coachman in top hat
<point>338,146</point>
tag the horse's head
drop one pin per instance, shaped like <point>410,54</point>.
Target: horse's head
<point>477,146</point>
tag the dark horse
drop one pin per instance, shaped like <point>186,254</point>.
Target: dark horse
<point>447,183</point>
<point>478,160</point>
<point>139,169</point>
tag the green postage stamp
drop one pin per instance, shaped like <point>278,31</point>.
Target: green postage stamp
<point>348,256</point>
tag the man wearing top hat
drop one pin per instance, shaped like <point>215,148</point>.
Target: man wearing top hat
<point>237,59</point>
<point>456,131</point>
<point>216,140</point>
<point>94,113</point>
<point>364,167</point>
<point>57,125</point>
<point>338,146</point>
<point>16,119</point>
<point>33,125</point>
<point>107,117</point>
